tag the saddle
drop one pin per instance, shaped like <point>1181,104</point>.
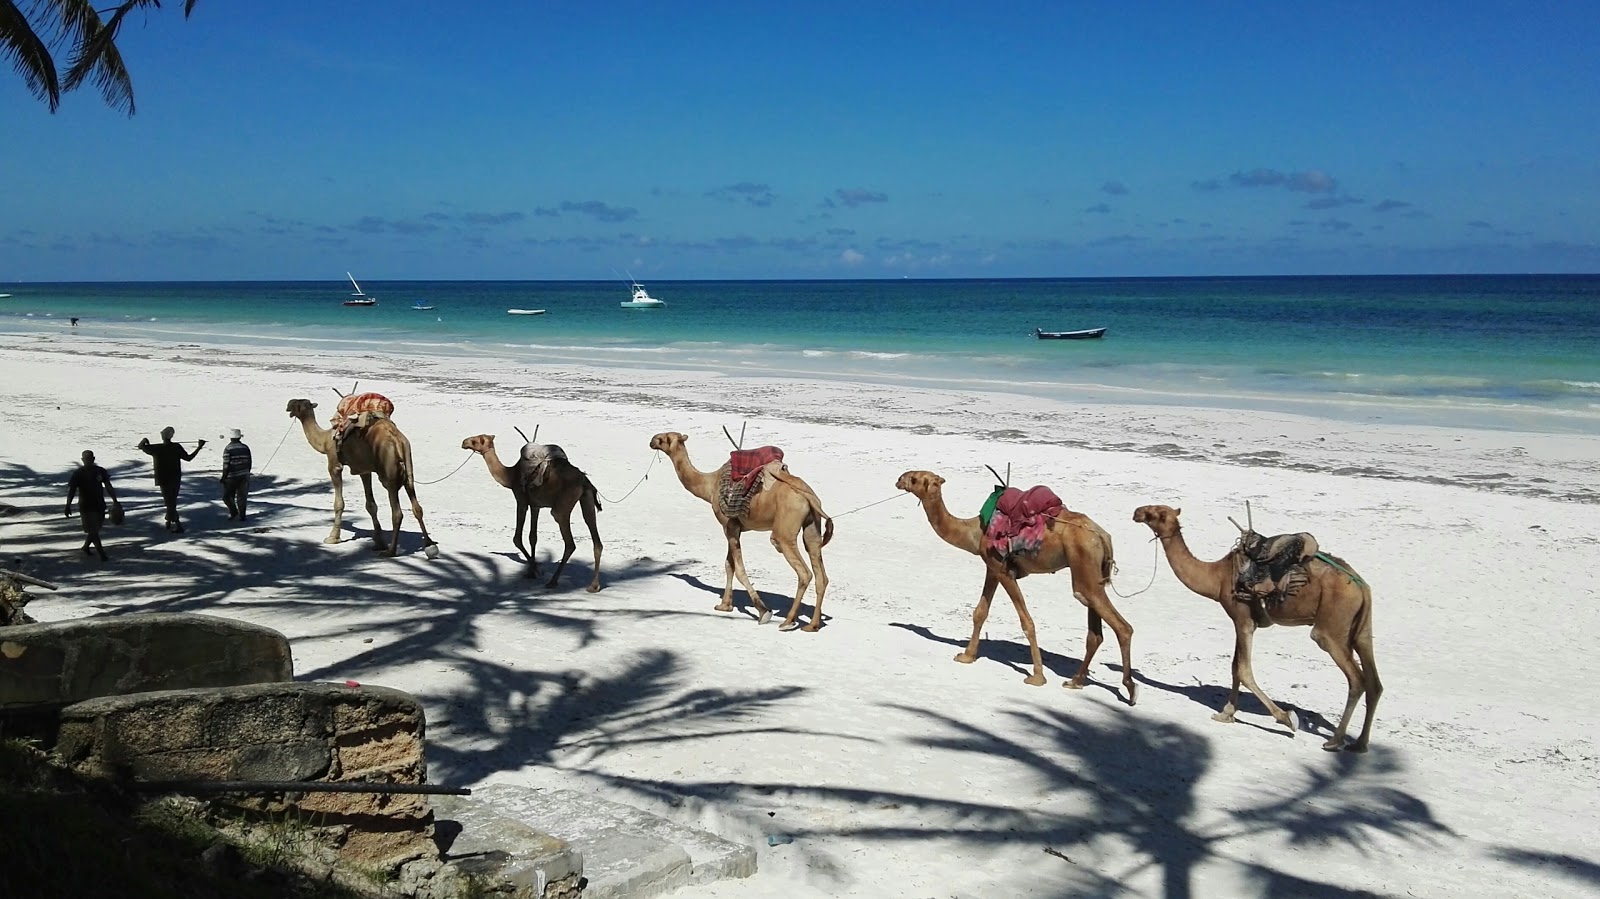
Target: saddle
<point>356,411</point>
<point>1015,521</point>
<point>747,473</point>
<point>541,456</point>
<point>1269,570</point>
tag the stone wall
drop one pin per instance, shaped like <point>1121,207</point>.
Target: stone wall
<point>44,666</point>
<point>275,732</point>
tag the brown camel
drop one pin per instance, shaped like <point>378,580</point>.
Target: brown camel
<point>1073,541</point>
<point>558,486</point>
<point>373,446</point>
<point>787,508</point>
<point>1334,601</point>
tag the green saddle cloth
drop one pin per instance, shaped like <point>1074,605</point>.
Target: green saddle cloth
<point>986,514</point>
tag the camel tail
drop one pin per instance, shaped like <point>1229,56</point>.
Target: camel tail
<point>594,493</point>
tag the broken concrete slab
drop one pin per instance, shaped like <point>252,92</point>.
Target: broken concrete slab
<point>481,840</point>
<point>628,853</point>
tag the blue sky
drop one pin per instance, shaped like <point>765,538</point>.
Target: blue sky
<point>535,140</point>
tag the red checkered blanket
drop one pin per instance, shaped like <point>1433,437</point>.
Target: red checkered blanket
<point>1021,519</point>
<point>743,464</point>
<point>357,403</point>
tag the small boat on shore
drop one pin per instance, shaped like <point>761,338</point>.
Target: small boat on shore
<point>359,298</point>
<point>524,312</point>
<point>1085,334</point>
<point>642,299</point>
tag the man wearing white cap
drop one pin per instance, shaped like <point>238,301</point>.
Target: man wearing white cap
<point>235,474</point>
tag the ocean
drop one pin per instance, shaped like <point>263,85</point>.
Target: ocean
<point>1511,351</point>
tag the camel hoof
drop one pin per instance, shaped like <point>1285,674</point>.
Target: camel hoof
<point>724,607</point>
<point>1224,717</point>
<point>592,588</point>
<point>965,659</point>
<point>811,628</point>
<point>1133,694</point>
<point>766,616</point>
<point>550,583</point>
<point>1333,745</point>
<point>788,626</point>
<point>1356,747</point>
<point>332,540</point>
<point>1293,723</point>
<point>1072,685</point>
<point>1034,680</point>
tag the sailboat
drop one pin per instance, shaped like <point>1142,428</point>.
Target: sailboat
<point>358,298</point>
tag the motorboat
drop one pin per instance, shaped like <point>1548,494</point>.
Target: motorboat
<point>359,298</point>
<point>1085,334</point>
<point>421,306</point>
<point>524,312</point>
<point>642,299</point>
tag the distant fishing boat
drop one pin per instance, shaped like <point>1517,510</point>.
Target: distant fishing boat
<point>420,306</point>
<point>359,298</point>
<point>1085,334</point>
<point>642,299</point>
<point>524,312</point>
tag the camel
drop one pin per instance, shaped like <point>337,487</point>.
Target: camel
<point>1073,541</point>
<point>557,486</point>
<point>1334,601</point>
<point>373,446</point>
<point>786,508</point>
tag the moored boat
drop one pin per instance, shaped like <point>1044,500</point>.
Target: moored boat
<point>1085,334</point>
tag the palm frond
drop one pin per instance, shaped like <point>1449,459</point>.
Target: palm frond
<point>97,55</point>
<point>28,54</point>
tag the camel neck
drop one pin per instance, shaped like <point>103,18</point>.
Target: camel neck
<point>1205,578</point>
<point>962,533</point>
<point>700,483</point>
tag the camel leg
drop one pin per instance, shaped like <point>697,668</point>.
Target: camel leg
<point>533,538</point>
<point>1369,674</point>
<point>587,506</point>
<point>336,475</point>
<point>1100,608</point>
<point>563,519</point>
<point>416,512</point>
<point>1014,591</point>
<point>395,517</point>
<point>791,554</point>
<point>372,512</point>
<point>1243,673</point>
<point>1339,649</point>
<point>813,538</point>
<point>522,518</point>
<point>736,559</point>
<point>980,614</point>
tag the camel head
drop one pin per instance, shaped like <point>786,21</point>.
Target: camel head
<point>669,442</point>
<point>483,444</point>
<point>1162,520</point>
<point>300,409</point>
<point>920,484</point>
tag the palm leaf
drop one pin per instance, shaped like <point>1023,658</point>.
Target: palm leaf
<point>28,53</point>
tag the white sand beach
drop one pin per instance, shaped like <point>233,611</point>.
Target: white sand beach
<point>895,771</point>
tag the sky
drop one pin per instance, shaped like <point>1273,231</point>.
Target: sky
<point>300,139</point>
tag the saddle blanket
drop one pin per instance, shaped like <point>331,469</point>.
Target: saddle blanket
<point>1018,519</point>
<point>540,457</point>
<point>356,403</point>
<point>743,464</point>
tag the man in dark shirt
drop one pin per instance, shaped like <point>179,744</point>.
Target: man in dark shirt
<point>85,484</point>
<point>169,458</point>
<point>235,474</point>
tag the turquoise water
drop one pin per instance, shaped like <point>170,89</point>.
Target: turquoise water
<point>1501,350</point>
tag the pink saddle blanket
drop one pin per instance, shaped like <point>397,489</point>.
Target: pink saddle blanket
<point>743,464</point>
<point>355,404</point>
<point>1021,519</point>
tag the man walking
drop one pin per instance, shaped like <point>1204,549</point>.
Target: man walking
<point>235,474</point>
<point>169,458</point>
<point>86,484</point>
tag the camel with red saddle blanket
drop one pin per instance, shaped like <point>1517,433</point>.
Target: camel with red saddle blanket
<point>367,441</point>
<point>754,491</point>
<point>1032,533</point>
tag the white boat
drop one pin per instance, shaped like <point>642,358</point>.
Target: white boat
<point>4,295</point>
<point>358,298</point>
<point>524,312</point>
<point>642,299</point>
<point>421,306</point>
